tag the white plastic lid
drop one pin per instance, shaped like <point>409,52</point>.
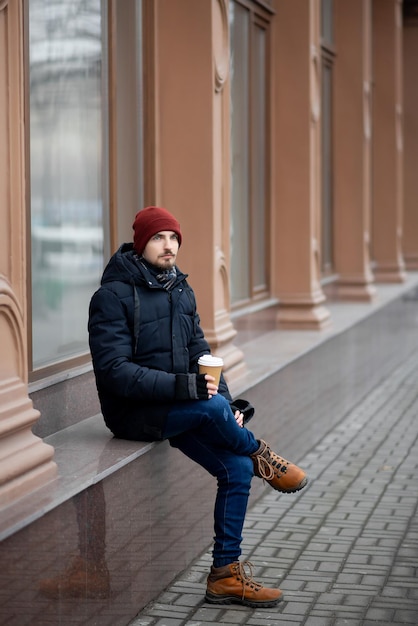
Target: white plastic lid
<point>210,360</point>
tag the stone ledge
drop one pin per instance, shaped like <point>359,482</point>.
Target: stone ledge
<point>85,454</point>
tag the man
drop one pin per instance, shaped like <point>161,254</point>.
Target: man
<point>145,340</point>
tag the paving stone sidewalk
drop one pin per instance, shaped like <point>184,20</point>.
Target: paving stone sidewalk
<point>345,549</point>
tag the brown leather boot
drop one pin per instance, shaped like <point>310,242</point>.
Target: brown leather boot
<point>279,473</point>
<point>82,579</point>
<point>232,585</point>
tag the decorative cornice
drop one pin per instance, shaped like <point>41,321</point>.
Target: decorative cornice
<point>12,324</point>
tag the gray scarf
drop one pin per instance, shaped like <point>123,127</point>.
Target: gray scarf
<point>167,278</point>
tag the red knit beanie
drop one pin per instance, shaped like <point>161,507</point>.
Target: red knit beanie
<point>150,221</point>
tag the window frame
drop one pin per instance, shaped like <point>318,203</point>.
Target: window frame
<point>328,56</point>
<point>113,220</point>
<point>260,16</point>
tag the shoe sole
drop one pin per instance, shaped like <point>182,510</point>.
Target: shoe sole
<point>213,599</point>
<point>300,486</point>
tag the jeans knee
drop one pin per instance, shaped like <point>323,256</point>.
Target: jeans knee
<point>219,402</point>
<point>218,407</point>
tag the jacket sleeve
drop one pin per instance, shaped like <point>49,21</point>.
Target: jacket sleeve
<point>110,340</point>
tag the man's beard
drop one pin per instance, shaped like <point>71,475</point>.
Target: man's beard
<point>166,264</point>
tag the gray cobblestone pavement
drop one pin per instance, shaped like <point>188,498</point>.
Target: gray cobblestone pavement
<point>345,549</point>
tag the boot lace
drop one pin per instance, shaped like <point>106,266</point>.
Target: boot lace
<point>264,468</point>
<point>246,577</point>
<point>268,462</point>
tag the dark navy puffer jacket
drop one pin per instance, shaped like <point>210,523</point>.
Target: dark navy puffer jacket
<point>140,336</point>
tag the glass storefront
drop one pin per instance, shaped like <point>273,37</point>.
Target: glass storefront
<point>68,199</point>
<point>327,216</point>
<point>249,150</point>
<point>240,145</point>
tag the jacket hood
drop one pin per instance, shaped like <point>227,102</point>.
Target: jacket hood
<point>124,266</point>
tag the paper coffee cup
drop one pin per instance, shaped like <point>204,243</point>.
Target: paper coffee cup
<point>211,365</point>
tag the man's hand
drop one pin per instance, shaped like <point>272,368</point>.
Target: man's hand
<point>239,417</point>
<point>210,385</point>
<point>242,409</point>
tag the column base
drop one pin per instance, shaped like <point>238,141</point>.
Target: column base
<point>295,317</point>
<point>365,292</point>
<point>220,340</point>
<point>234,364</point>
<point>28,482</point>
<point>411,262</point>
<point>389,273</point>
<point>25,460</point>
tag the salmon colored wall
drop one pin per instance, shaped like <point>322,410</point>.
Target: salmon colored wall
<point>296,171</point>
<point>192,138</point>
<point>25,461</point>
<point>187,169</point>
<point>387,141</point>
<point>352,149</point>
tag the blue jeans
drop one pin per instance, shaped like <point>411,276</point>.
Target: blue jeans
<point>207,432</point>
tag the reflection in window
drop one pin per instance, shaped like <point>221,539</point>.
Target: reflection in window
<point>66,164</point>
<point>327,217</point>
<point>327,235</point>
<point>258,223</point>
<point>327,21</point>
<point>240,125</point>
<point>249,147</point>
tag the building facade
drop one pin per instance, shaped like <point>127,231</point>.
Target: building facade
<point>283,134</point>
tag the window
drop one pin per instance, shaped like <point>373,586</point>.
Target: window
<point>68,203</point>
<point>73,162</point>
<point>327,220</point>
<point>249,152</point>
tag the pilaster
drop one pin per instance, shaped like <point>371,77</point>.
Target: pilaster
<point>352,149</point>
<point>387,141</point>
<point>192,130</point>
<point>25,460</point>
<point>410,91</point>
<point>296,169</point>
